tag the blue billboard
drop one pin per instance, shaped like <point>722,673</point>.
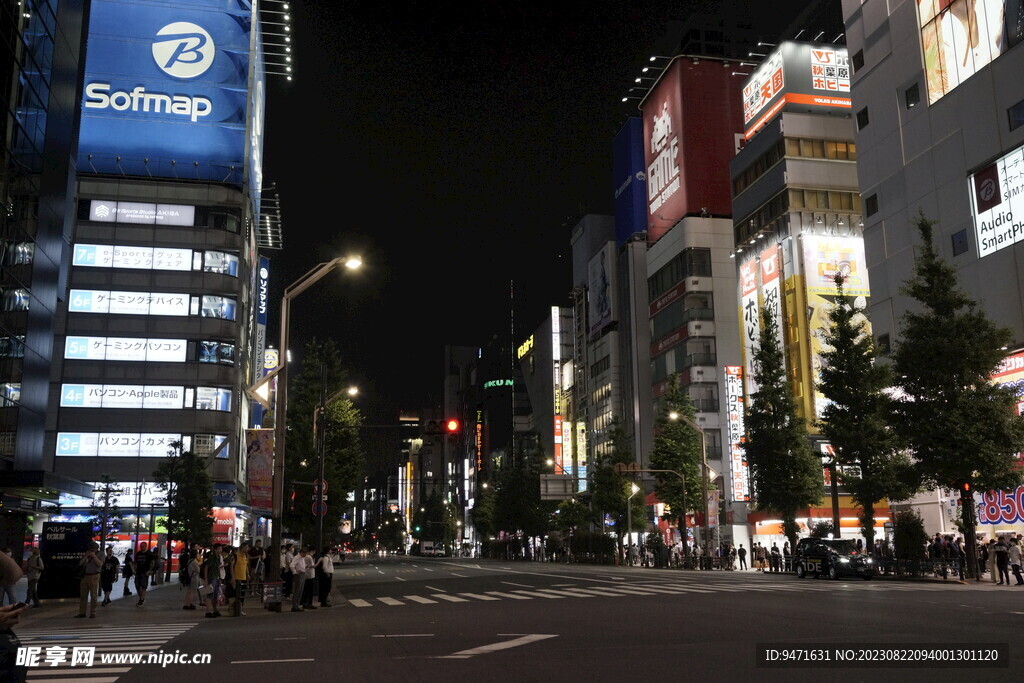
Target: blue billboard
<point>630,180</point>
<point>166,89</point>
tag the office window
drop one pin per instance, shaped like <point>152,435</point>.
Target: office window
<point>857,60</point>
<point>883,346</point>
<point>871,205</point>
<point>912,96</point>
<point>862,119</point>
<point>960,244</point>
<point>1016,115</point>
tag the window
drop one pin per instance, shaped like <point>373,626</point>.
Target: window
<point>213,398</point>
<point>12,347</point>
<point>960,245</point>
<point>15,299</point>
<point>216,352</point>
<point>220,307</point>
<point>691,262</point>
<point>600,366</point>
<point>10,393</point>
<point>912,96</point>
<point>219,262</point>
<point>1016,115</point>
<point>883,345</point>
<point>862,119</point>
<point>871,205</point>
<point>857,60</point>
<point>204,445</point>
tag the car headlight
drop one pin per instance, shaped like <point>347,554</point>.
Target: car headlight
<point>844,560</point>
<point>868,561</point>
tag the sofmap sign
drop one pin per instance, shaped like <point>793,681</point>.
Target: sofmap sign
<point>166,88</point>
<point>997,203</point>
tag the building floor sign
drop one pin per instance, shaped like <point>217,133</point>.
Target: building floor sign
<point>259,448</point>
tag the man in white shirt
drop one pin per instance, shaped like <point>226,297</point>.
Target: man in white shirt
<point>286,569</point>
<point>325,566</point>
<point>307,589</point>
<point>298,569</point>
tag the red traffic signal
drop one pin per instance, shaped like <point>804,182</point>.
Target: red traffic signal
<point>451,425</point>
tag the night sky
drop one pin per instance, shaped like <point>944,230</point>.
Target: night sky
<point>452,147</point>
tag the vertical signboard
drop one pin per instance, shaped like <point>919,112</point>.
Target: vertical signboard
<point>259,449</point>
<point>771,290</point>
<point>556,356</point>
<point>166,89</point>
<point>750,320</point>
<point>1005,507</point>
<point>663,124</point>
<point>601,286</point>
<point>630,180</point>
<point>739,473</point>
<point>823,258</point>
<point>581,453</point>
<point>62,545</point>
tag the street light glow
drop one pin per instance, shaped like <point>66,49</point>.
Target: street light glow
<point>353,262</point>
<point>673,415</point>
<point>352,391</point>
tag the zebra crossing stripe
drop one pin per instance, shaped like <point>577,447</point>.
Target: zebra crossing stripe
<point>420,599</point>
<point>359,603</point>
<point>607,592</point>
<point>573,592</point>
<point>477,596</point>
<point>391,601</point>
<point>508,595</point>
<point>449,598</point>
<point>540,595</point>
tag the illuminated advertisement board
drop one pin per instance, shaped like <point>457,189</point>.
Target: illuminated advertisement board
<point>166,89</point>
<point>750,320</point>
<point>581,453</point>
<point>797,77</point>
<point>262,306</point>
<point>115,445</point>
<point>997,203</point>
<point>739,472</point>
<point>126,349</point>
<point>823,257</point>
<point>601,285</point>
<point>259,448</point>
<point>121,396</point>
<point>630,180</point>
<point>143,258</point>
<point>556,355</point>
<point>128,494</point>
<point>103,211</point>
<point>1005,507</point>
<point>960,37</point>
<point>128,303</point>
<point>771,290</point>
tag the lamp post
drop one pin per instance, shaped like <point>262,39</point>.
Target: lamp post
<point>633,488</point>
<point>281,407</point>
<point>319,436</point>
<point>703,477</point>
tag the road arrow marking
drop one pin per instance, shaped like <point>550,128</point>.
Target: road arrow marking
<point>495,647</point>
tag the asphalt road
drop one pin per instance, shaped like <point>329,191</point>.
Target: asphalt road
<point>425,619</point>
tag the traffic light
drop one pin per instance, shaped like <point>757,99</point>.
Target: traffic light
<point>451,426</point>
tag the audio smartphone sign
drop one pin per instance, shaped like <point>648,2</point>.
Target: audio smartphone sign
<point>166,83</point>
<point>997,203</point>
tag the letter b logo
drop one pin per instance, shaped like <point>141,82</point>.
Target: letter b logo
<point>183,50</point>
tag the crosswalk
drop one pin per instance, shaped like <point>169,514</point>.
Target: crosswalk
<point>644,589</point>
<point>61,653</point>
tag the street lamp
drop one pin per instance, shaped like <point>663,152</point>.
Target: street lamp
<point>319,438</point>
<point>281,409</point>
<point>633,490</point>
<point>674,416</point>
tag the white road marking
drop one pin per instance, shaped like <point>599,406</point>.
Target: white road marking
<point>508,595</point>
<point>439,590</point>
<point>449,598</point>
<point>391,601</point>
<point>607,592</point>
<point>477,596</point>
<point>427,570</point>
<point>521,585</point>
<point>50,671</point>
<point>542,595</point>
<point>421,600</point>
<point>573,592</point>
<point>562,585</point>
<point>399,578</point>
<point>270,661</point>
<point>359,603</point>
<point>405,635</point>
<point>461,576</point>
<point>495,647</point>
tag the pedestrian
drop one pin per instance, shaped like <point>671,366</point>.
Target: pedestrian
<point>990,553</point>
<point>776,557</point>
<point>34,569</point>
<point>189,578</point>
<point>287,557</point>
<point>213,575</point>
<point>89,587</point>
<point>787,556</point>
<point>742,554</point>
<point>257,561</point>
<point>128,571</point>
<point>158,566</point>
<point>325,574</point>
<point>1013,556</point>
<point>240,577</point>
<point>298,572</point>
<point>8,591</point>
<point>143,569</point>
<point>309,587</point>
<point>1002,561</point>
<point>108,574</point>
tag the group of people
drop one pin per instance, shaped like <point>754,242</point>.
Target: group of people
<point>304,571</point>
<point>220,576</point>
<point>1002,555</point>
<point>101,572</point>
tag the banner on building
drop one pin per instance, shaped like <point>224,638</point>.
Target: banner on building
<point>739,472</point>
<point>259,449</point>
<point>750,321</point>
<point>771,291</point>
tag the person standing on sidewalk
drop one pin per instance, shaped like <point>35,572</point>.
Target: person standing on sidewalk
<point>108,574</point>
<point>325,574</point>
<point>213,569</point>
<point>189,577</point>
<point>89,586</point>
<point>298,571</point>
<point>741,552</point>
<point>240,577</point>
<point>128,571</point>
<point>287,557</point>
<point>143,568</point>
<point>8,591</point>
<point>309,587</point>
<point>1013,556</point>
<point>34,566</point>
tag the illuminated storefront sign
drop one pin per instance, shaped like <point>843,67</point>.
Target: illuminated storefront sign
<point>525,347</point>
<point>154,258</point>
<point>739,472</point>
<point>771,291</point>
<point>750,320</point>
<point>151,303</point>
<point>121,396</point>
<point>556,356</point>
<point>997,203</point>
<point>126,349</point>
<point>497,383</point>
<point>101,211</point>
<point>128,494</point>
<point>116,444</point>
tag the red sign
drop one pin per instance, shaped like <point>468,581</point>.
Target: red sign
<point>224,526</point>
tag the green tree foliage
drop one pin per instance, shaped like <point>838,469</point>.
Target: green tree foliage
<point>344,459</point>
<point>105,512</point>
<point>188,492</point>
<point>961,429</point>
<point>785,475</point>
<point>856,419</point>
<point>436,520</point>
<point>677,448</point>
<point>572,514</point>
<point>391,534</point>
<point>822,530</point>
<point>909,536</point>
<point>611,491</point>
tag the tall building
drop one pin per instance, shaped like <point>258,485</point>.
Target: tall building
<point>939,107</point>
<point>42,56</point>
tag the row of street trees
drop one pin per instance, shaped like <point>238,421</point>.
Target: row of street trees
<point>932,418</point>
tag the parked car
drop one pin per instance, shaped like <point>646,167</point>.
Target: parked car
<point>832,558</point>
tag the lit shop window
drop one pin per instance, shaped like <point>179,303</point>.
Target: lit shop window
<point>122,396</point>
<point>118,444</point>
<point>220,307</point>
<point>154,258</point>
<point>206,445</point>
<point>213,398</point>
<point>220,262</point>
<point>216,352</point>
<point>10,393</point>
<point>15,299</point>
<point>17,253</point>
<point>151,303</point>
<point>126,349</point>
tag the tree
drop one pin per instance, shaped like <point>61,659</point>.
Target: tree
<point>436,520</point>
<point>105,512</point>
<point>611,491</point>
<point>785,476</point>
<point>188,493</point>
<point>677,447</point>
<point>856,418</point>
<point>391,534</point>
<point>962,430</point>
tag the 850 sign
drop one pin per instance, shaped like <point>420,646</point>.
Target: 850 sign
<point>1002,507</point>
